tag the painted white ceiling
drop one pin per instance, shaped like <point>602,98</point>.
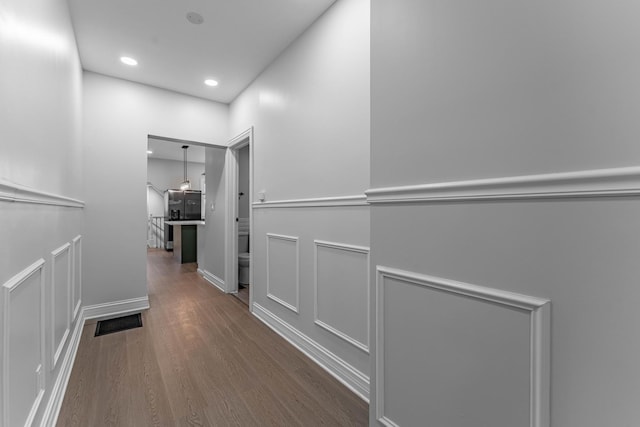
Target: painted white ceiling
<point>173,151</point>
<point>236,41</point>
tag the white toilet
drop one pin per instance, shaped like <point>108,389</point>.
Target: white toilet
<point>243,257</point>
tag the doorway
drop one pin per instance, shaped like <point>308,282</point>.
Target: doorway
<point>170,164</point>
<point>239,228</point>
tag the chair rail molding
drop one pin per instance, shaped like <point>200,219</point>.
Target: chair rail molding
<point>319,202</point>
<point>16,193</point>
<point>539,335</point>
<point>615,182</point>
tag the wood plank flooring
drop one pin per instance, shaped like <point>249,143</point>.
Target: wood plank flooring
<point>243,294</point>
<point>201,359</point>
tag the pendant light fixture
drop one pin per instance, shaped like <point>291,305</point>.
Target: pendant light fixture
<point>186,184</point>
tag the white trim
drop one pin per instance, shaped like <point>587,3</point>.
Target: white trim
<point>76,299</point>
<point>213,279</point>
<point>8,287</point>
<point>56,348</point>
<point>615,182</point>
<point>540,335</point>
<point>347,248</point>
<point>352,378</point>
<point>56,397</point>
<point>38,400</point>
<point>115,309</point>
<point>271,296</point>
<point>361,346</point>
<point>241,140</point>
<point>319,202</point>
<point>98,311</point>
<point>16,193</point>
<point>185,141</point>
<point>231,227</point>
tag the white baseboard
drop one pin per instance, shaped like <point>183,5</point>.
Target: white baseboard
<point>56,397</point>
<point>353,379</point>
<point>213,279</point>
<point>98,311</point>
<point>115,309</point>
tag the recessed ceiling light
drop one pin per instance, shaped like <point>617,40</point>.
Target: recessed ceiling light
<point>211,82</point>
<point>195,18</point>
<point>149,152</point>
<point>129,61</point>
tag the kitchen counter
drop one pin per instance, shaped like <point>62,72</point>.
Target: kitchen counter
<point>185,239</point>
<point>190,222</point>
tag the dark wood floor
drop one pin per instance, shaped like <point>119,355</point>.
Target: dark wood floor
<point>201,359</point>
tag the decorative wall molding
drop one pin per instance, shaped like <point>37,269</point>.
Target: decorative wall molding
<point>16,193</point>
<point>242,139</point>
<point>232,171</point>
<point>58,346</point>
<point>10,286</point>
<point>270,294</point>
<point>110,310</point>
<point>76,277</point>
<point>324,324</point>
<point>540,335</point>
<point>213,279</point>
<point>321,202</point>
<point>56,397</point>
<point>616,182</point>
<point>352,378</point>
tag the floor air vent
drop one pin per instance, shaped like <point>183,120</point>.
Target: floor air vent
<point>118,324</point>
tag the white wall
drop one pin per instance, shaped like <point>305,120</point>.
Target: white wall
<point>118,117</point>
<point>466,91</point>
<point>40,172</point>
<point>211,260</point>
<point>310,113</point>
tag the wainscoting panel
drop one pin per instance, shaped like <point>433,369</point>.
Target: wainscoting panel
<point>341,291</point>
<point>283,270</point>
<point>355,380</point>
<point>23,345</point>
<point>486,349</point>
<point>76,288</point>
<point>60,301</point>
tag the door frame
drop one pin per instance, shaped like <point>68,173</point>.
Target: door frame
<point>231,229</point>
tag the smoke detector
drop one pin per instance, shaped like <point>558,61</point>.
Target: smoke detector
<point>195,18</point>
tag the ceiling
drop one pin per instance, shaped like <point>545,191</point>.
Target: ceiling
<point>236,41</point>
<point>162,149</point>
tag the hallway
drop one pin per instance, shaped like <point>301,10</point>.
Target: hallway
<point>200,359</point>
